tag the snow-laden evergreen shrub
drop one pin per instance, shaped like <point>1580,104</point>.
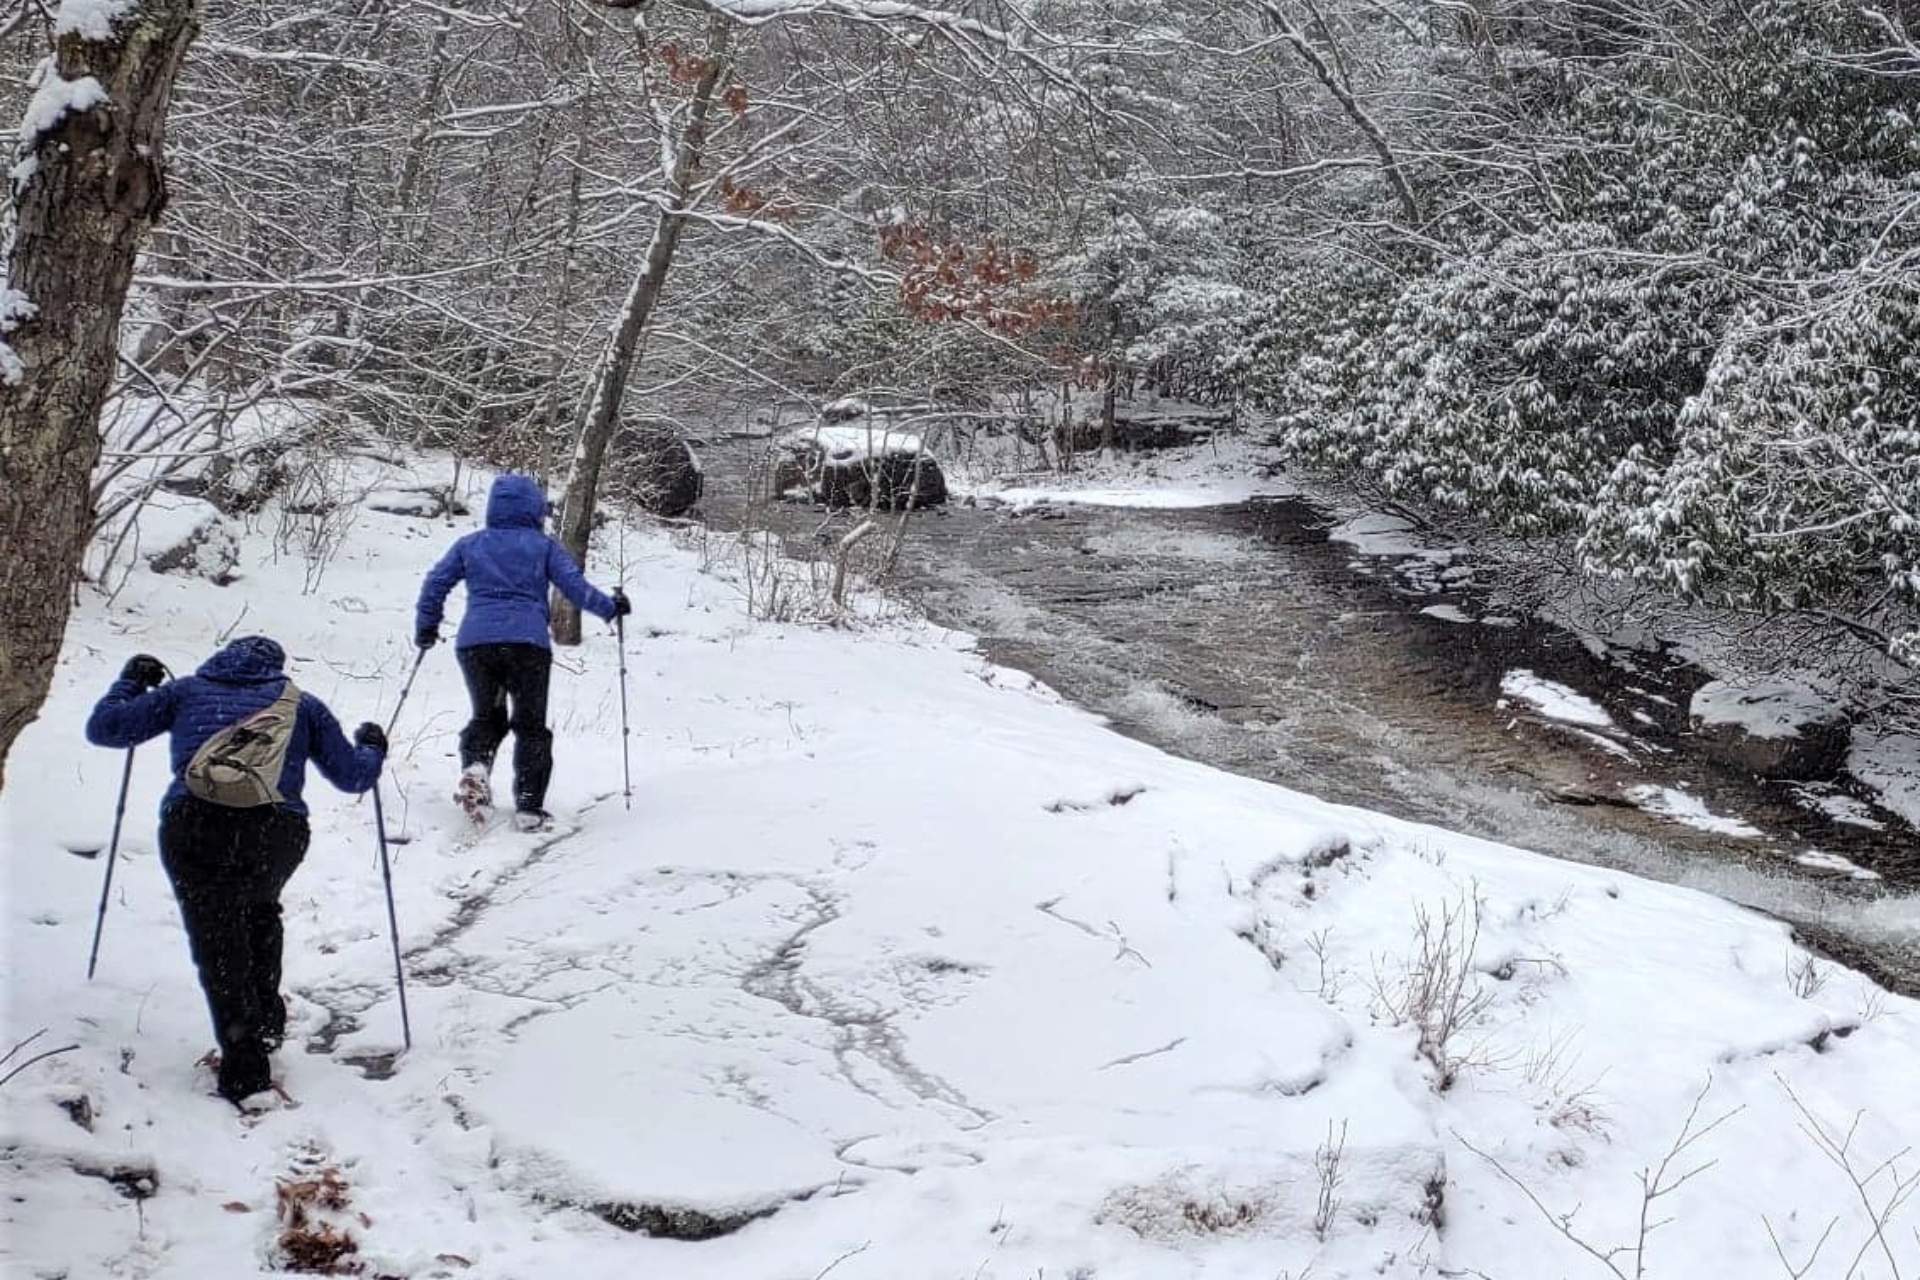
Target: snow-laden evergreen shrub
<point>1182,297</point>
<point>1681,336</point>
<point>1511,387</point>
<point>1796,480</point>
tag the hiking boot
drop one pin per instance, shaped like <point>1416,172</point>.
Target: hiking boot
<point>243,1072</point>
<point>474,791</point>
<point>532,820</point>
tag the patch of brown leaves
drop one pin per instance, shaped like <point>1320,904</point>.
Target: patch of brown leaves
<point>308,1243</point>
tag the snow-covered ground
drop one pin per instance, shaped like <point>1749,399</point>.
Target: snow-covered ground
<point>898,968</point>
<point>1222,472</point>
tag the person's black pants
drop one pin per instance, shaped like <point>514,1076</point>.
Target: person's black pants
<point>228,867</point>
<point>499,674</point>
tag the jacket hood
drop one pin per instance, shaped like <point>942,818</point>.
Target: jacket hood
<point>246,660</point>
<point>515,502</point>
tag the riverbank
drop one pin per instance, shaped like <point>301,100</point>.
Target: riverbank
<point>1298,644</point>
<point>897,967</point>
<point>1461,584</point>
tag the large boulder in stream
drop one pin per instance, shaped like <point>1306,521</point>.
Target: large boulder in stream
<point>656,468</point>
<point>859,465</point>
<point>1772,728</point>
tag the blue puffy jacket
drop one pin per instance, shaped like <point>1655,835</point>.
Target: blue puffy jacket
<point>507,567</point>
<point>234,683</point>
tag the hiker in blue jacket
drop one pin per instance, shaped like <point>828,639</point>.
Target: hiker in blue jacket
<point>229,858</point>
<point>503,647</point>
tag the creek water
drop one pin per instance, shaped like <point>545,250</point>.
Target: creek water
<point>1244,637</point>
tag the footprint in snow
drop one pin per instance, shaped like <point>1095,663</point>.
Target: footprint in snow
<point>1113,799</point>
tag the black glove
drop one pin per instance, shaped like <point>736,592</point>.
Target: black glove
<point>621,605</point>
<point>144,670</point>
<point>371,735</point>
<point>427,637</point>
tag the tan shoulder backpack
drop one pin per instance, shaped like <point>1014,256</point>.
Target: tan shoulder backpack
<point>240,766</point>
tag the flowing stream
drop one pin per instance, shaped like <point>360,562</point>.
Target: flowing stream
<point>1243,637</point>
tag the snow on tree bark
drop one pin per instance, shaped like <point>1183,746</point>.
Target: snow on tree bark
<point>91,180</point>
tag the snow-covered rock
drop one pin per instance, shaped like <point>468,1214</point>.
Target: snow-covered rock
<point>858,466</point>
<point>1773,728</point>
<point>1887,758</point>
<point>1554,700</point>
<point>425,501</point>
<point>656,468</point>
<point>1690,810</point>
<point>190,538</point>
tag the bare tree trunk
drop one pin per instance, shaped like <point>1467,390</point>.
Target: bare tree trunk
<point>1109,181</point>
<point>1107,402</point>
<point>610,385</point>
<point>550,417</point>
<point>402,236</point>
<point>94,182</point>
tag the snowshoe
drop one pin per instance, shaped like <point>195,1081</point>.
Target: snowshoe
<point>271,1098</point>
<point>532,820</point>
<point>474,793</point>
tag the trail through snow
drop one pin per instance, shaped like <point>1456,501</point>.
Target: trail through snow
<point>897,968</point>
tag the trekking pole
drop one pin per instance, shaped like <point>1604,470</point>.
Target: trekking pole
<point>620,636</point>
<point>113,855</point>
<point>405,689</point>
<point>626,765</point>
<point>393,924</point>
<point>394,719</point>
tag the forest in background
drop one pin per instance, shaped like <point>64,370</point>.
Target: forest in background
<point>1632,281</point>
